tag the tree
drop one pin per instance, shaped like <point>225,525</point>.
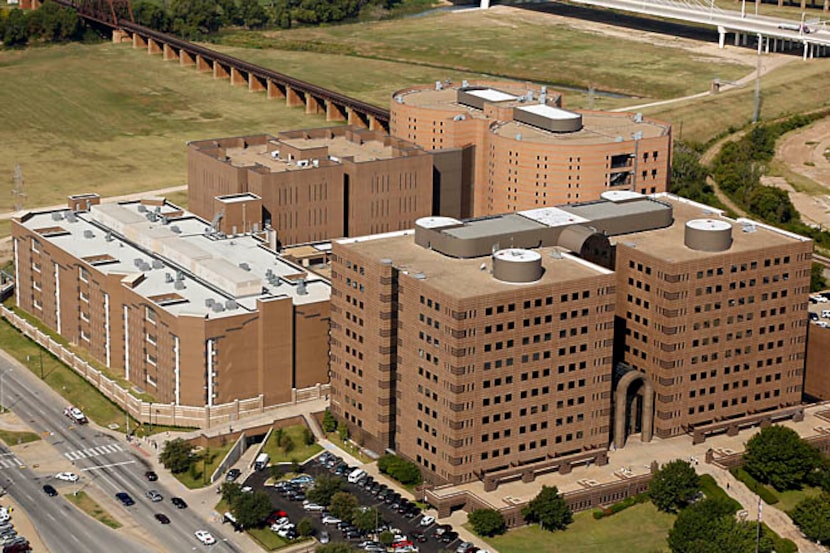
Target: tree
<point>673,486</point>
<point>151,15</point>
<point>487,522</point>
<point>366,520</point>
<point>305,527</point>
<point>287,444</point>
<point>329,422</point>
<point>343,431</point>
<point>344,505</point>
<point>386,538</point>
<point>231,492</point>
<point>176,456</point>
<point>778,456</point>
<point>251,509</point>
<point>710,527</point>
<point>252,14</point>
<point>16,32</point>
<point>308,437</point>
<point>549,509</point>
<point>324,489</point>
<point>812,516</point>
<point>817,280</point>
<point>405,472</point>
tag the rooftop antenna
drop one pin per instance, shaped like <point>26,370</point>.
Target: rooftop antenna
<point>19,191</point>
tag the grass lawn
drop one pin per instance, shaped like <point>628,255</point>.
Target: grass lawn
<point>267,539</point>
<point>794,88</point>
<point>61,378</point>
<point>348,447</point>
<point>199,477</point>
<point>301,451</point>
<point>516,43</point>
<point>790,498</point>
<point>124,134</point>
<point>638,529</point>
<point>10,437</point>
<point>91,507</point>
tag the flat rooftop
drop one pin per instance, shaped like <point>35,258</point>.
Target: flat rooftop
<point>597,128</point>
<point>178,262</point>
<point>464,278</point>
<point>668,243</point>
<point>447,97</point>
<point>339,147</point>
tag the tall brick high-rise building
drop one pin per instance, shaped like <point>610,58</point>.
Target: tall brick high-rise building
<point>529,340</point>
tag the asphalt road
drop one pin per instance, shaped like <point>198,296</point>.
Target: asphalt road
<point>100,460</point>
<point>296,513</point>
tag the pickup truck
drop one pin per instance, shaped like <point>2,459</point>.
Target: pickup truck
<point>75,414</point>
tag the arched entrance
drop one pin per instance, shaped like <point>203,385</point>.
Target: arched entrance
<point>633,408</point>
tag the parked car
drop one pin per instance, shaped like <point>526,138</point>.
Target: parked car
<point>302,480</point>
<point>179,503</point>
<point>125,499</point>
<point>313,507</point>
<point>330,519</point>
<point>427,520</point>
<point>324,537</point>
<point>162,518</point>
<point>465,547</point>
<point>449,537</point>
<point>232,475</point>
<point>49,490</point>
<point>204,537</point>
<point>154,496</point>
<point>67,476</point>
<point>151,476</point>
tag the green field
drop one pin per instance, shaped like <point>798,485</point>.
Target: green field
<point>638,529</point>
<point>511,43</point>
<point>109,119</point>
<point>12,437</point>
<point>301,451</point>
<point>93,509</point>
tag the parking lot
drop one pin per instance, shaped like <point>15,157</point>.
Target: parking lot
<point>408,524</point>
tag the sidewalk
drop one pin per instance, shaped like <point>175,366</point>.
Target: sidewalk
<point>774,518</point>
<point>24,526</point>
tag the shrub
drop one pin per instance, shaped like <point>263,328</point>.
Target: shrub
<point>621,506</point>
<point>403,471</point>
<point>329,422</point>
<point>487,522</point>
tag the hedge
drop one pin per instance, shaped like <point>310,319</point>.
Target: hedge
<point>769,496</point>
<point>621,506</point>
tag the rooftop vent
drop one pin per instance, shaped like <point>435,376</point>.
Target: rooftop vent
<point>638,117</point>
<point>518,137</point>
<point>465,83</point>
<point>209,302</point>
<point>618,139</point>
<point>109,237</point>
<point>142,208</point>
<point>439,85</point>
<point>218,307</point>
<point>244,266</point>
<point>399,99</point>
<point>157,264</point>
<point>71,217</point>
<point>419,276</point>
<point>179,285</point>
<point>386,261</point>
<point>175,229</point>
<point>459,117</point>
<point>56,216</point>
<point>137,261</point>
<point>168,278</point>
<point>231,305</point>
<point>301,287</point>
<point>89,234</point>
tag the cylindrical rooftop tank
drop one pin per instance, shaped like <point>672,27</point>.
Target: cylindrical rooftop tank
<point>708,235</point>
<point>517,265</point>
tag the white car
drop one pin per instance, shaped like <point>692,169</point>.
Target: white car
<point>247,489</point>
<point>204,537</point>
<point>75,414</point>
<point>285,530</point>
<point>331,519</point>
<point>313,507</point>
<point>4,514</point>
<point>67,476</point>
<point>280,523</point>
<point>427,520</point>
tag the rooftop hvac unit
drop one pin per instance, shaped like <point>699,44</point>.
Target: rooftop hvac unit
<point>638,117</point>
<point>144,266</point>
<point>268,273</point>
<point>157,264</point>
<point>71,217</point>
<point>175,229</point>
<point>88,234</point>
<point>109,237</point>
<point>459,117</point>
<point>301,287</point>
<point>231,304</point>
<point>179,285</point>
<point>315,162</point>
<point>137,261</point>
<point>465,83</point>
<point>142,208</point>
<point>518,137</point>
<point>399,99</point>
<point>244,266</point>
<point>439,85</point>
<point>168,278</point>
<point>275,154</point>
<point>209,302</point>
<point>56,216</point>
<point>179,276</point>
<point>618,139</point>
<point>530,95</point>
<point>264,290</point>
<point>302,163</point>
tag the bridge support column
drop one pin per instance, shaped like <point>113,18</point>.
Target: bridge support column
<point>274,91</point>
<point>745,38</point>
<point>803,4</point>
<point>775,45</point>
<point>237,77</point>
<point>721,37</point>
<point>827,5</point>
<point>254,84</point>
<point>374,124</point>
<point>119,36</point>
<point>312,104</point>
<point>484,4</point>
<point>354,119</point>
<point>293,98</point>
<point>203,65</point>
<point>138,41</point>
<point>737,39</point>
<point>153,47</point>
<point>766,46</point>
<point>169,53</point>
<point>333,113</point>
<point>804,57</point>
<point>219,71</point>
<point>186,58</point>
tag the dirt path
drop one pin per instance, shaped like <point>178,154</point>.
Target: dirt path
<point>803,153</point>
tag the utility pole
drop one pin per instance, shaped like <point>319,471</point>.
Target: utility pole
<point>756,114</point>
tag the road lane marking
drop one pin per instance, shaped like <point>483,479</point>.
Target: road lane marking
<point>96,467</point>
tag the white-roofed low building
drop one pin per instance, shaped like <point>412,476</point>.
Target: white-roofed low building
<point>189,314</point>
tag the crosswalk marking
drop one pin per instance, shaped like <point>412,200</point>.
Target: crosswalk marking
<point>91,452</point>
<point>9,462</point>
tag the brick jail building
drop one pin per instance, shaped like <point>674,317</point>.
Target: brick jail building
<point>180,309</point>
<point>531,339</point>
